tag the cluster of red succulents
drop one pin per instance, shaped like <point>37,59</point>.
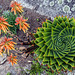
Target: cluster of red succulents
<point>6,44</point>
<point>16,7</point>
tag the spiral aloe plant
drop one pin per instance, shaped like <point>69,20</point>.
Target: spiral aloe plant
<point>56,43</point>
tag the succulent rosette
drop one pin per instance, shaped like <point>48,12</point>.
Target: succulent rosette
<point>16,7</point>
<point>56,43</point>
<point>12,59</point>
<point>6,44</point>
<point>22,23</point>
<point>4,24</point>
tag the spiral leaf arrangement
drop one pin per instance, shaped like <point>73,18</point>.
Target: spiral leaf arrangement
<point>56,43</point>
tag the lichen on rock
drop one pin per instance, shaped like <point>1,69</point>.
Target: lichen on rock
<point>69,0</point>
<point>60,1</point>
<point>73,8</point>
<point>66,9</point>
<point>52,3</point>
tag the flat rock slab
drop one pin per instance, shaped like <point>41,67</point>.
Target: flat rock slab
<point>51,8</point>
<point>5,68</point>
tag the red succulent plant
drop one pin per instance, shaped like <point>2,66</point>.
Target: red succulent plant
<point>3,24</point>
<point>16,7</point>
<point>12,59</point>
<point>7,44</point>
<point>22,23</point>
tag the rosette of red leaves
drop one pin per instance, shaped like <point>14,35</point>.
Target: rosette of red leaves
<point>3,24</point>
<point>22,23</point>
<point>6,44</point>
<point>16,7</point>
<point>12,59</point>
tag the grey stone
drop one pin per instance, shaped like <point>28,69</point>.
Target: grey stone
<point>44,7</point>
<point>71,73</point>
<point>5,68</point>
<point>0,6</point>
<point>2,57</point>
<point>27,67</point>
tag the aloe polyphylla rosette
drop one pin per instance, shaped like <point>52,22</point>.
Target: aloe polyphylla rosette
<point>56,41</point>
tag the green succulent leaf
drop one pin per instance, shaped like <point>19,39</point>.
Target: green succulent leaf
<point>56,41</point>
